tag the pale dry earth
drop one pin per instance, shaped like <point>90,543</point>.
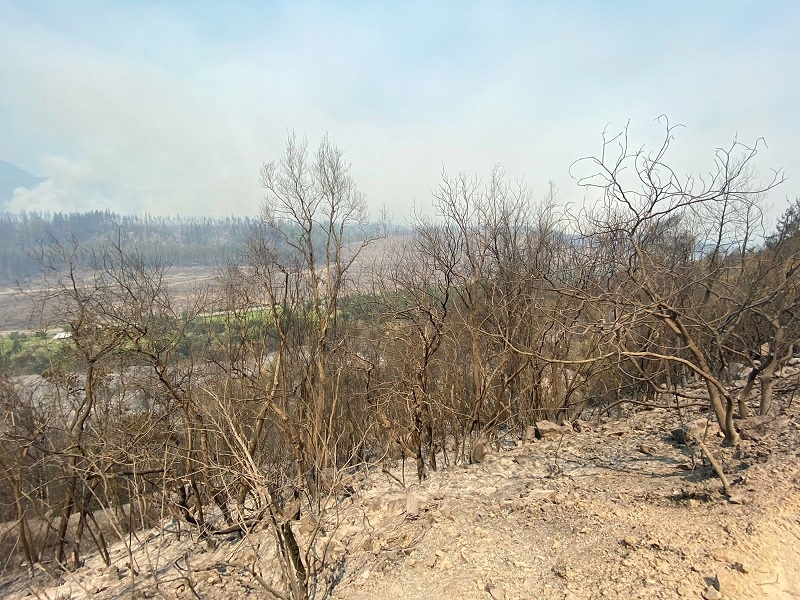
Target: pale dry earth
<point>17,301</point>
<point>18,304</point>
<point>615,510</point>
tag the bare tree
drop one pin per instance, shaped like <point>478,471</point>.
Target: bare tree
<point>665,244</point>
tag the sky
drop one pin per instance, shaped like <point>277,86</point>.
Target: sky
<point>171,108</point>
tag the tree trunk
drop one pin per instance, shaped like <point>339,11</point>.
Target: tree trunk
<point>767,390</point>
<point>768,374</point>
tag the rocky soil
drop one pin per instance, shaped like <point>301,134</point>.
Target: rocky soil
<point>610,508</point>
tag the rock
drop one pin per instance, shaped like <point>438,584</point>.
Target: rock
<point>479,451</point>
<point>307,524</point>
<point>172,526</point>
<point>698,429</point>
<point>728,583</point>
<point>630,542</point>
<point>722,555</point>
<point>686,589</point>
<point>647,449</point>
<point>580,425</point>
<point>369,545</point>
<point>563,571</point>
<point>679,435</point>
<point>413,505</point>
<point>546,430</point>
<point>523,460</point>
<point>513,504</point>
<point>376,505</point>
<point>737,370</point>
<point>540,495</point>
<point>743,567</point>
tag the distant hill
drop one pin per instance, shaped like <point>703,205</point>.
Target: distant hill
<point>12,177</point>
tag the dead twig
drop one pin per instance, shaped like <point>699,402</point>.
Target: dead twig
<point>726,486</point>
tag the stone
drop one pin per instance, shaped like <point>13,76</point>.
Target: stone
<point>728,583</point>
<point>512,504</point>
<point>630,542</point>
<point>524,460</point>
<point>369,544</point>
<point>698,429</point>
<point>413,505</point>
<point>743,567</point>
<point>546,430</point>
<point>479,451</point>
<point>722,555</point>
<point>647,449</point>
<point>173,526</point>
<point>686,589</point>
<point>307,524</point>
<point>563,571</point>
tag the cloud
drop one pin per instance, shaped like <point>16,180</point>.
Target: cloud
<point>167,111</point>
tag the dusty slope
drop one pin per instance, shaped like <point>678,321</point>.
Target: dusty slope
<point>620,520</point>
<point>611,511</point>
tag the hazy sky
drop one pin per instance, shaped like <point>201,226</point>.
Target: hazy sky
<point>171,107</point>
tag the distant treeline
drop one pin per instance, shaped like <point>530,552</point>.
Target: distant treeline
<point>180,241</point>
<point>177,241</point>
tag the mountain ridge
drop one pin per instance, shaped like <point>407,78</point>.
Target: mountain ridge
<point>13,177</point>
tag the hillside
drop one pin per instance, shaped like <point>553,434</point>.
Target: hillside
<point>611,508</point>
<point>12,177</point>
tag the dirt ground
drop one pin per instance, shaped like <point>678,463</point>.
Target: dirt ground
<point>17,307</point>
<point>619,509</point>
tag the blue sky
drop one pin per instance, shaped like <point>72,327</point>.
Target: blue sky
<point>171,107</point>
